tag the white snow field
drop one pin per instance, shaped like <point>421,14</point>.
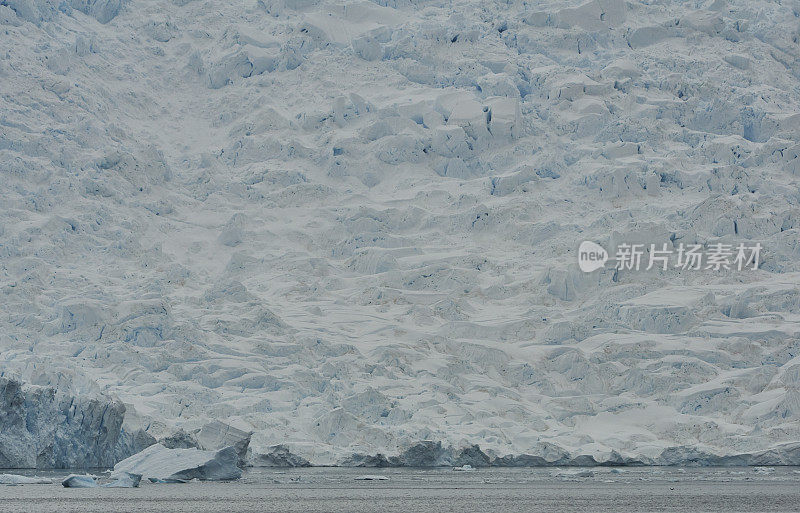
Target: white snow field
<point>351,228</point>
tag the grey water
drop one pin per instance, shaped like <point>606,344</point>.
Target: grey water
<point>435,490</point>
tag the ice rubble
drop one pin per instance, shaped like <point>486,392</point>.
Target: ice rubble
<point>125,480</point>
<point>350,228</point>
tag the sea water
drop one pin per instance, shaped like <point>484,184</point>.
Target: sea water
<point>436,490</point>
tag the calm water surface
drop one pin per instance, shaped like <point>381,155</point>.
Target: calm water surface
<point>440,490</point>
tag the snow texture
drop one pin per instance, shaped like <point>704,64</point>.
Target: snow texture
<point>350,227</point>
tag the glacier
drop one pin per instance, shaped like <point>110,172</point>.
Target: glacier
<point>345,232</point>
<point>47,427</point>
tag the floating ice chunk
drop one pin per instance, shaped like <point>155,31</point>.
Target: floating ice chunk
<point>125,480</point>
<point>77,481</point>
<point>161,463</point>
<point>165,481</point>
<point>464,468</point>
<point>371,478</point>
<point>573,473</point>
<point>13,479</point>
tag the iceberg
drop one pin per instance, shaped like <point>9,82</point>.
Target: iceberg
<point>79,481</point>
<point>14,479</point>
<point>568,474</point>
<point>161,463</point>
<point>121,480</point>
<point>124,480</point>
<point>464,468</point>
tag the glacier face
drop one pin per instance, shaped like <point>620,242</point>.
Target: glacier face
<point>46,428</point>
<point>351,226</point>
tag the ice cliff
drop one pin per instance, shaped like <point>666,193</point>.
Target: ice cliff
<point>44,427</point>
<point>350,228</point>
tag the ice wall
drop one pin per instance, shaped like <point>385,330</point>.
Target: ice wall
<point>41,427</point>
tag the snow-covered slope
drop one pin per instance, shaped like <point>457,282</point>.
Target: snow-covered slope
<point>352,226</point>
